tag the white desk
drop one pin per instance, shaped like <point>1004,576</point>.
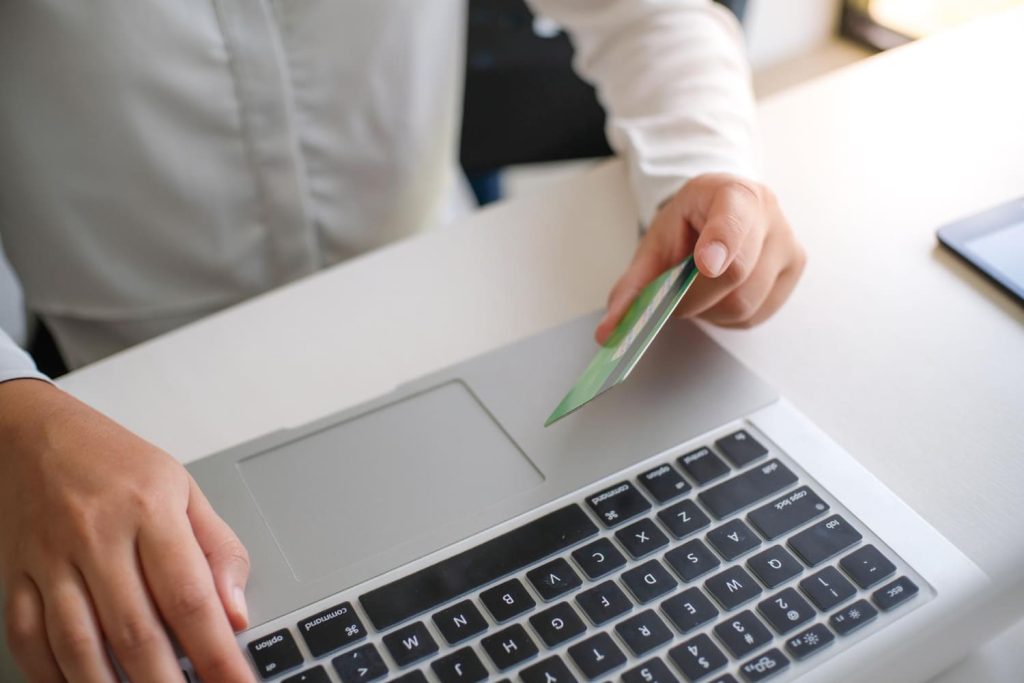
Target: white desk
<point>907,358</point>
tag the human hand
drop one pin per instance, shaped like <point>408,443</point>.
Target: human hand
<point>744,248</point>
<point>107,540</point>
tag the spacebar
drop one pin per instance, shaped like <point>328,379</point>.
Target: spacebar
<point>476,567</point>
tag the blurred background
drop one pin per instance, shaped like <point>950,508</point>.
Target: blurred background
<point>528,120</point>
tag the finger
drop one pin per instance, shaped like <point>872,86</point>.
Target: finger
<point>668,241</point>
<point>181,583</point>
<point>648,263</point>
<point>127,615</point>
<point>225,554</point>
<point>74,632</point>
<point>735,214</point>
<point>708,292</point>
<point>740,304</point>
<point>26,632</point>
<point>784,286</point>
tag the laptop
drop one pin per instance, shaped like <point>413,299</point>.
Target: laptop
<point>688,525</point>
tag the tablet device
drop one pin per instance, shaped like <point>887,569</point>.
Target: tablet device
<point>992,242</point>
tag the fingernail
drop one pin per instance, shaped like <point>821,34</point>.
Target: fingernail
<point>714,256</point>
<point>238,595</point>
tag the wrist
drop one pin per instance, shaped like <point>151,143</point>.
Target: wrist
<point>25,404</point>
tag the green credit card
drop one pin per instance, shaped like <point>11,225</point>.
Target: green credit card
<point>630,339</point>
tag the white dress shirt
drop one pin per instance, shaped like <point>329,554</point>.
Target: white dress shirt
<point>161,160</point>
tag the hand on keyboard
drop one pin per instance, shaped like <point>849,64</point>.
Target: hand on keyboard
<point>102,534</point>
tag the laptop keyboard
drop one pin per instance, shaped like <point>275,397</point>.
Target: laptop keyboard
<point>723,563</point>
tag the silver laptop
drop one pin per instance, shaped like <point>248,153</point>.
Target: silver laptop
<point>688,525</point>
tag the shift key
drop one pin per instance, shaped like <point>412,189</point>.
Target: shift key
<point>747,488</point>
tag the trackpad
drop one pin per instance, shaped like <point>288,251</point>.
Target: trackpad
<point>383,478</point>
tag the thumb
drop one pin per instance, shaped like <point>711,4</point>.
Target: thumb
<point>228,559</point>
<point>647,264</point>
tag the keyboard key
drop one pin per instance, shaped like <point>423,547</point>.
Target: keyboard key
<point>597,655</point>
<point>827,588</point>
<point>467,571</point>
<point>410,644</point>
<point>460,622</point>
<point>664,483</point>
<point>641,538</point>
<point>782,515</point>
<point>848,620</point>
<point>741,448</point>
<point>360,665</point>
<point>599,558</point>
<point>894,593</point>
<point>275,653</point>
<point>683,518</point>
<point>644,632</point>
<point>765,665</point>
<point>732,539</point>
<point>809,641</point>
<point>743,633</point>
<point>557,624</point>
<point>774,566</point>
<point>554,579</point>
<point>824,540</point>
<point>689,609</point>
<point>786,610</point>
<point>692,559</point>
<point>507,600</point>
<point>747,488</point>
<point>697,657</point>
<point>550,670</point>
<point>618,503</point>
<point>332,629</point>
<point>603,602</point>
<point>733,587</point>
<point>867,566</point>
<point>703,465</point>
<point>509,647</point>
<point>648,581</point>
<point>652,671</point>
<point>461,666</point>
<point>724,678</point>
<point>314,675</point>
<point>414,676</point>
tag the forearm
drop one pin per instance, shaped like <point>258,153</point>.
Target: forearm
<point>674,80</point>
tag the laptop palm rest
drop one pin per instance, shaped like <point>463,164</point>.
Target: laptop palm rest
<point>332,503</point>
<point>416,454</point>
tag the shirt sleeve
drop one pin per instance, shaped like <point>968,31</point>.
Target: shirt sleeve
<point>673,78</point>
<point>15,363</point>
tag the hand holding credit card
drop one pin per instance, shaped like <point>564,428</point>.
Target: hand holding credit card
<point>630,339</point>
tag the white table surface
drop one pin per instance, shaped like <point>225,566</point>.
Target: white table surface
<point>909,359</point>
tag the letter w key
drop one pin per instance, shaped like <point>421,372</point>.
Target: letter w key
<point>410,644</point>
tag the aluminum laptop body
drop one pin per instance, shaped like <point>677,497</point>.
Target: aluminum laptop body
<point>441,533</point>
